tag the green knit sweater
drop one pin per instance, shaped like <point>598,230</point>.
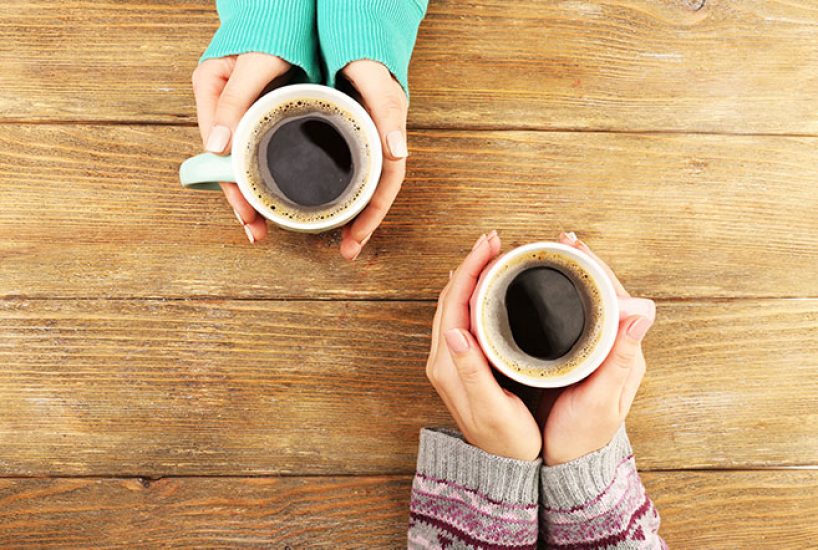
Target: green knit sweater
<point>321,36</point>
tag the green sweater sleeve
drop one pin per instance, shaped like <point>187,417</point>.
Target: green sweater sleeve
<point>381,30</point>
<point>285,28</point>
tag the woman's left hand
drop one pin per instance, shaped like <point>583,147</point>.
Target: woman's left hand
<point>583,418</point>
<point>388,106</point>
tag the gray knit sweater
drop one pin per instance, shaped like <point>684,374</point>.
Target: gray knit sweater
<point>463,497</point>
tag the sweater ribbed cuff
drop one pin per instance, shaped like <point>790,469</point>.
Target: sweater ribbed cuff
<point>285,28</point>
<point>446,456</point>
<point>575,483</point>
<point>380,30</point>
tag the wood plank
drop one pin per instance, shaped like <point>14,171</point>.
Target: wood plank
<point>204,512</point>
<point>92,211</point>
<point>760,509</point>
<point>198,387</point>
<point>682,65</point>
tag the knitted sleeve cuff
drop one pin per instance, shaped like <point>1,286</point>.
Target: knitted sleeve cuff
<point>381,30</point>
<point>444,455</point>
<point>285,28</point>
<point>579,481</point>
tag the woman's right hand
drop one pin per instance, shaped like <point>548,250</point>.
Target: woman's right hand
<point>490,417</point>
<point>225,87</point>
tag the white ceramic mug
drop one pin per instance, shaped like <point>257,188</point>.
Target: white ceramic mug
<point>205,171</point>
<point>489,299</point>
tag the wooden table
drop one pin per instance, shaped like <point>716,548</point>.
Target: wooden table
<point>165,383</point>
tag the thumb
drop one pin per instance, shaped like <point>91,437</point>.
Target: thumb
<point>389,114</point>
<point>386,102</point>
<point>611,376</point>
<point>251,74</point>
<point>472,367</point>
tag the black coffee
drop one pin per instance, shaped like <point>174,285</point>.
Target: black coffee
<point>545,312</point>
<point>308,159</point>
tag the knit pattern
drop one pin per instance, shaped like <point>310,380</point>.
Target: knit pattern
<point>621,516</point>
<point>285,28</point>
<point>320,37</point>
<point>382,30</point>
<point>445,515</point>
<point>463,497</point>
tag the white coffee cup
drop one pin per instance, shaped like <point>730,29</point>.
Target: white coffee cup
<point>603,311</point>
<point>205,171</point>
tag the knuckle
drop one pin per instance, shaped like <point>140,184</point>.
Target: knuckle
<point>197,77</point>
<point>393,104</point>
<point>624,355</point>
<point>431,374</point>
<point>468,371</point>
<point>229,99</point>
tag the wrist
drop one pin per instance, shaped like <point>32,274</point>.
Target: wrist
<point>444,454</point>
<point>381,31</point>
<point>283,28</point>
<point>581,479</point>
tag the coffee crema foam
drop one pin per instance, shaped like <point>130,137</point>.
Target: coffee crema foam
<point>497,330</point>
<point>356,140</point>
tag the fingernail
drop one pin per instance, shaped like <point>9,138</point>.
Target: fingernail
<point>451,272</point>
<point>238,216</point>
<point>249,233</point>
<point>456,341</point>
<point>360,249</point>
<point>479,241</point>
<point>397,144</point>
<point>571,236</point>
<point>366,240</point>
<point>218,138</point>
<point>492,235</point>
<point>639,328</point>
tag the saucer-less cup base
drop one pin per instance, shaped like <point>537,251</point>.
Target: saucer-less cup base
<point>597,354</point>
<point>205,171</point>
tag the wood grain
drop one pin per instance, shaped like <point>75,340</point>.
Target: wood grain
<point>682,65</point>
<point>774,509</point>
<point>369,512</point>
<point>96,211</point>
<point>153,388</point>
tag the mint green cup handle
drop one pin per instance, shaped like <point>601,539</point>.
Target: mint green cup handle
<point>205,171</point>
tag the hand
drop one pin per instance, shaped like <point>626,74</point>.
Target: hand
<point>489,416</point>
<point>584,417</point>
<point>387,104</point>
<point>225,88</point>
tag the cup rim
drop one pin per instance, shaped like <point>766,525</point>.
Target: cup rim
<point>314,91</point>
<point>610,322</point>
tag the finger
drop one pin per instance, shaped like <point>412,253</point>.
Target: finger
<point>441,373</point>
<point>632,384</point>
<point>251,74</point>
<point>243,209</point>
<point>607,383</point>
<point>255,226</point>
<point>386,102</point>
<point>209,80</point>
<point>464,281</point>
<point>368,221</point>
<point>258,228</point>
<point>571,239</point>
<point>479,385</point>
<point>436,322</point>
<point>643,307</point>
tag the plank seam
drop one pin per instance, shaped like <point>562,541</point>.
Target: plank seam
<point>483,128</point>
